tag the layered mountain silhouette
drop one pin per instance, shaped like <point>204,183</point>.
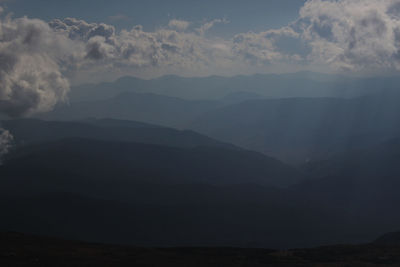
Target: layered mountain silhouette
<point>28,131</point>
<point>301,84</point>
<point>156,195</point>
<point>255,168</point>
<point>146,163</point>
<point>303,129</point>
<point>143,194</point>
<point>145,107</point>
<point>295,130</point>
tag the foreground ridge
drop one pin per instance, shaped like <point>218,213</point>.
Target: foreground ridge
<point>17,249</point>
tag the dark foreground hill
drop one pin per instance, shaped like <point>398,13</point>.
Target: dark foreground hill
<point>363,182</point>
<point>152,195</point>
<point>155,195</point>
<point>27,250</point>
<point>80,159</point>
<point>390,239</point>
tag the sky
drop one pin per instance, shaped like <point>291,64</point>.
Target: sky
<point>48,45</point>
<point>253,15</point>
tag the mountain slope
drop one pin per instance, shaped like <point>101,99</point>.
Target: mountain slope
<point>146,163</point>
<point>26,131</point>
<point>149,108</point>
<point>301,84</point>
<point>303,129</point>
<point>149,195</point>
<point>154,195</point>
<point>363,184</point>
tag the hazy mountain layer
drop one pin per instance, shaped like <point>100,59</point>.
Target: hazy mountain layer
<point>149,108</point>
<point>304,129</point>
<point>302,84</point>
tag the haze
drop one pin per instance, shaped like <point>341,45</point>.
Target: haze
<point>271,124</point>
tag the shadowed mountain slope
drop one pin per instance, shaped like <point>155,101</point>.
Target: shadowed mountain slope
<point>303,129</point>
<point>363,184</point>
<point>145,162</point>
<point>28,131</point>
<point>154,195</point>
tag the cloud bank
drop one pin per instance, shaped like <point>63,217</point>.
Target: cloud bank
<point>352,34</point>
<point>355,35</point>
<point>30,72</point>
<point>38,59</point>
<point>172,47</point>
<point>362,36</point>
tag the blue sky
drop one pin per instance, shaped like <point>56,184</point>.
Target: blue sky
<point>251,15</point>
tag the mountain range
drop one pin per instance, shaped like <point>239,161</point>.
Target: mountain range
<point>300,84</point>
<point>153,168</point>
<point>202,194</point>
<point>295,130</point>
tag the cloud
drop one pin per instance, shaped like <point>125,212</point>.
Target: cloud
<point>30,76</point>
<point>344,35</point>
<point>31,79</point>
<point>339,35</point>
<point>269,47</point>
<point>81,30</point>
<point>208,25</point>
<point>103,49</point>
<point>179,25</point>
<point>355,35</point>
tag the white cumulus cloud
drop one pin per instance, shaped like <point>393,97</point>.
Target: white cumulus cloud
<point>179,25</point>
<point>355,35</point>
<point>30,73</point>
